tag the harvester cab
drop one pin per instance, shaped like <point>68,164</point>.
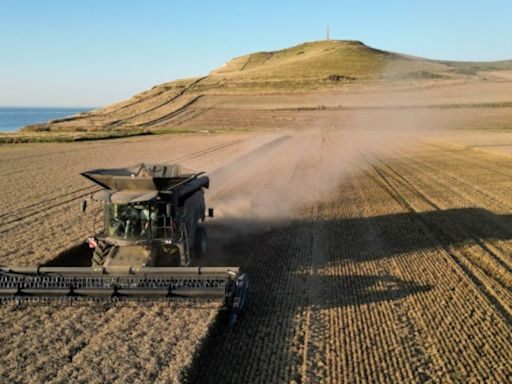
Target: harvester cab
<point>153,216</point>
<point>152,229</point>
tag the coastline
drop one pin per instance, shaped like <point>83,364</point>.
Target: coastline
<point>14,118</point>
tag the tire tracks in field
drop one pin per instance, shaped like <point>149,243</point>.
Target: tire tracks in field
<point>484,278</point>
<point>421,165</point>
<point>411,336</point>
<point>404,330</point>
<point>479,164</point>
<point>314,363</point>
<point>172,99</point>
<point>485,284</point>
<point>494,250</point>
<point>187,116</point>
<point>275,320</point>
<point>170,115</point>
<point>497,255</point>
<point>320,324</point>
<point>495,201</point>
<point>451,316</point>
<point>19,211</point>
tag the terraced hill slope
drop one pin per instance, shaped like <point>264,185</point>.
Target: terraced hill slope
<point>266,81</point>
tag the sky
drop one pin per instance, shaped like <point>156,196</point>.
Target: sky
<point>88,53</point>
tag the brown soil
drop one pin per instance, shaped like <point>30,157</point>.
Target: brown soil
<point>388,262</point>
<point>193,105</point>
<point>402,275</point>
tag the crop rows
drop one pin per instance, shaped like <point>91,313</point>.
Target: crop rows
<point>476,255</point>
<point>401,273</point>
<point>377,284</point>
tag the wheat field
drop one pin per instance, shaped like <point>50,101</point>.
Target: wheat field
<point>399,271</point>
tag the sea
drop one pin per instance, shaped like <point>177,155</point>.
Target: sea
<point>14,118</point>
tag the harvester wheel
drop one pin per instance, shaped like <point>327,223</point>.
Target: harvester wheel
<point>100,253</point>
<point>200,241</point>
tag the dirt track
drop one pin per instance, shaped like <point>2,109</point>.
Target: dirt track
<point>402,273</point>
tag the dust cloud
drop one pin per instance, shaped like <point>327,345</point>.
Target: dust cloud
<point>307,166</point>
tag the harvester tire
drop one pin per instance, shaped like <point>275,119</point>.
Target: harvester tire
<point>200,241</point>
<point>100,253</point>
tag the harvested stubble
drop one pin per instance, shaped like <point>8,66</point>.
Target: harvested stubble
<point>403,274</point>
<point>396,278</point>
<point>39,217</point>
<point>91,344</point>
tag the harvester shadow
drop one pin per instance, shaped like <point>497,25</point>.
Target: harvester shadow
<point>400,233</point>
<point>354,290</point>
<point>279,257</point>
<point>80,255</point>
<point>412,231</point>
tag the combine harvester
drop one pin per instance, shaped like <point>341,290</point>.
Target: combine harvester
<point>153,216</point>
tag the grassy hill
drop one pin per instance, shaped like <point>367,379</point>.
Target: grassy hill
<point>318,65</point>
<point>315,66</point>
<point>322,61</point>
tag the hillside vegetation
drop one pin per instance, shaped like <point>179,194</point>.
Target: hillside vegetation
<point>319,63</point>
<point>309,68</point>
